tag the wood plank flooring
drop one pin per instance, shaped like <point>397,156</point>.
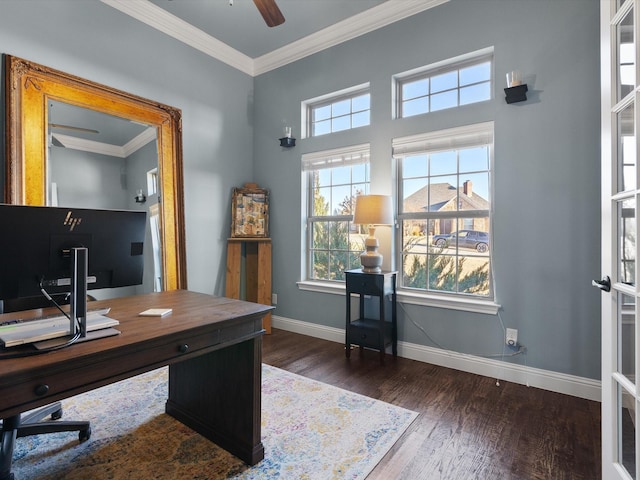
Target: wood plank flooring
<point>468,427</point>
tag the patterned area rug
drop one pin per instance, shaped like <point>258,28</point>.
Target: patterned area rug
<point>310,430</point>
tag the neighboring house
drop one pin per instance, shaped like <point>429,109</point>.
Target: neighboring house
<point>445,197</point>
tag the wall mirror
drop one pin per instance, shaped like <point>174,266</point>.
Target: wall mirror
<point>73,142</point>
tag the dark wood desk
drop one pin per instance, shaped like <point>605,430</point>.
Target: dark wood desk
<point>213,346</point>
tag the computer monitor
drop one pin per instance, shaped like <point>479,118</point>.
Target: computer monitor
<point>39,248</point>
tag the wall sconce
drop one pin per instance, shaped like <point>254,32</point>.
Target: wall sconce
<point>140,197</point>
<point>516,91</point>
<point>287,141</point>
<point>372,210</point>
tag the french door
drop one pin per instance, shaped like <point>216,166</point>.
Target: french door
<point>620,195</point>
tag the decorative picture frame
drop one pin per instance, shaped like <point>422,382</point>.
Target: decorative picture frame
<point>250,212</point>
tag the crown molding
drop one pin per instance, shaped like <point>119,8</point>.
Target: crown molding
<point>167,23</point>
<point>91,146</point>
<point>136,143</point>
<point>379,16</point>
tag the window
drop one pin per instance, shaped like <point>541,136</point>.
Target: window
<point>459,81</point>
<point>338,111</point>
<point>333,179</point>
<point>444,212</point>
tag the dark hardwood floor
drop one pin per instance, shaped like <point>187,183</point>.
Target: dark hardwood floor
<point>468,427</point>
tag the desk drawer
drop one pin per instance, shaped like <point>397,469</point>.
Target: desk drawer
<point>97,371</point>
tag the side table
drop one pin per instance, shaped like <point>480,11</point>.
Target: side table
<point>366,332</point>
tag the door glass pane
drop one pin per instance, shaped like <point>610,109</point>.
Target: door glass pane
<point>626,150</point>
<point>627,241</point>
<point>626,56</point>
<point>627,431</point>
<point>626,336</point>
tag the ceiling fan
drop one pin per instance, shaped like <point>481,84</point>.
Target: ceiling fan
<point>270,12</point>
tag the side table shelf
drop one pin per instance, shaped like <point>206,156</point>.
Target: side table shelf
<point>374,333</point>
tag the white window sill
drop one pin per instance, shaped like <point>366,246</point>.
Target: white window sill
<point>439,301</point>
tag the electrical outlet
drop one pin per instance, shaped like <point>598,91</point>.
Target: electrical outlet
<point>511,337</point>
<point>274,299</point>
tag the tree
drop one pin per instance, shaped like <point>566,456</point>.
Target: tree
<point>441,272</point>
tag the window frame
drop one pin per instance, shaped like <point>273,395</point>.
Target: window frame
<point>439,68</point>
<point>313,162</point>
<point>464,137</point>
<point>311,105</point>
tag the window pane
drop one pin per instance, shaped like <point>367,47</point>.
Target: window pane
<point>340,198</point>
<point>474,159</point>
<point>443,163</point>
<point>321,201</point>
<point>475,93</point>
<point>475,73</point>
<point>415,107</point>
<point>340,123</point>
<point>322,178</point>
<point>414,166</point>
<point>341,175</point>
<point>320,264</point>
<point>474,192</point>
<point>360,119</point>
<point>360,173</point>
<point>626,56</point>
<point>321,128</point>
<point>626,149</point>
<point>341,108</point>
<point>321,113</point>
<point>443,194</point>
<point>445,81</point>
<point>627,241</point>
<point>415,196</point>
<point>626,325</point>
<point>360,103</point>
<point>417,88</point>
<point>444,100</point>
<point>627,434</point>
<point>320,235</point>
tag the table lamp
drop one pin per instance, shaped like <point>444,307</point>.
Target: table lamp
<point>372,210</point>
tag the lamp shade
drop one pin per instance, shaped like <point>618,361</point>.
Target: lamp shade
<point>373,210</point>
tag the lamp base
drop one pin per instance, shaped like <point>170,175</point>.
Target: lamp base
<point>371,269</point>
<point>370,259</point>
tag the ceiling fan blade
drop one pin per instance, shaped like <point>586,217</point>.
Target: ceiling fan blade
<point>270,12</point>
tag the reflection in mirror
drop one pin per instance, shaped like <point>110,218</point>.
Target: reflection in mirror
<point>96,160</point>
<point>55,156</point>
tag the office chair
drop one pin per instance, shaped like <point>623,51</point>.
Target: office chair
<point>26,424</point>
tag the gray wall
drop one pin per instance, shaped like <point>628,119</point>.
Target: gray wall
<point>546,182</point>
<point>546,190</point>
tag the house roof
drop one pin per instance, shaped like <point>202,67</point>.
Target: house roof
<point>443,196</point>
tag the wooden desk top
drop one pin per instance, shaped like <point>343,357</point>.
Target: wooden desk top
<point>198,324</point>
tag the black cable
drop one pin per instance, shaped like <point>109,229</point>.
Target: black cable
<point>71,341</point>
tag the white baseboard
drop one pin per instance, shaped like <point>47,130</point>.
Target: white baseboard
<point>532,377</point>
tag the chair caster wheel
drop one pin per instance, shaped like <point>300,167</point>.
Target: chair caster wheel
<point>84,434</point>
<point>56,415</point>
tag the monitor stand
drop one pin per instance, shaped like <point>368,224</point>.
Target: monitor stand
<point>94,335</point>
<point>78,303</point>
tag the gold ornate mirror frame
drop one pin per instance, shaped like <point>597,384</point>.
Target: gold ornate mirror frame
<point>29,87</point>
